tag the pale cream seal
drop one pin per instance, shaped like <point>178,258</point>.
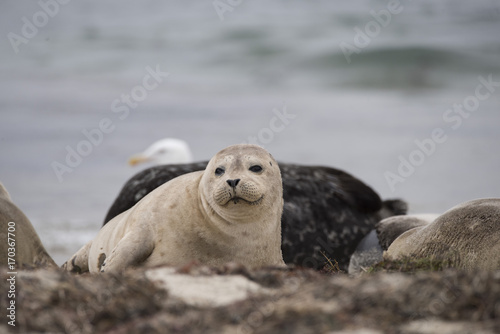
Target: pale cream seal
<point>229,212</point>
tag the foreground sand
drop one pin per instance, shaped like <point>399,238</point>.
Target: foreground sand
<point>232,299</point>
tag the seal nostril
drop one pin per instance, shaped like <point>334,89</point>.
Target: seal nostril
<point>233,183</point>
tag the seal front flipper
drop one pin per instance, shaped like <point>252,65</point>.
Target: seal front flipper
<point>132,250</point>
<point>79,263</point>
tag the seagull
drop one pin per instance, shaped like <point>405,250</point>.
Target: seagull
<point>163,152</point>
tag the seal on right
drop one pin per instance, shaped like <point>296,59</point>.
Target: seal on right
<point>467,236</point>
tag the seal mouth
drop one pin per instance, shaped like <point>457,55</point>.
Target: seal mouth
<point>237,199</point>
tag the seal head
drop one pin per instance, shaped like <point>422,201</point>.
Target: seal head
<point>242,183</point>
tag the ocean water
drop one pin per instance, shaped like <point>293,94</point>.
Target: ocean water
<point>388,112</point>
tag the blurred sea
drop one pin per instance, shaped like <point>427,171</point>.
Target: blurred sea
<point>225,79</point>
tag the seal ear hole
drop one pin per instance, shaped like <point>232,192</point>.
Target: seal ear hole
<point>219,171</point>
<point>256,169</point>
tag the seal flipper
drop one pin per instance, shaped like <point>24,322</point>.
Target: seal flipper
<point>79,263</point>
<point>131,250</point>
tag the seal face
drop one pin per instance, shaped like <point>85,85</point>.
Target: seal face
<point>229,212</point>
<point>241,185</point>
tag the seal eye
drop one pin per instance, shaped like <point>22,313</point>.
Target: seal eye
<point>219,171</point>
<point>256,169</point>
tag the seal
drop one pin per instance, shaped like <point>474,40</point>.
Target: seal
<point>29,250</point>
<point>391,228</point>
<point>370,250</point>
<point>326,212</point>
<point>467,237</point>
<point>229,212</point>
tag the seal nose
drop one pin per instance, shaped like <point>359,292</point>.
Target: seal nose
<point>233,183</point>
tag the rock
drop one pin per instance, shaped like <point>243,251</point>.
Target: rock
<point>204,290</point>
<point>445,327</point>
<point>267,300</point>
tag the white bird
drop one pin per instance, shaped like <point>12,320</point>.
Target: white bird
<point>164,151</point>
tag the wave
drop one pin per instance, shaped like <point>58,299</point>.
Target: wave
<point>408,66</point>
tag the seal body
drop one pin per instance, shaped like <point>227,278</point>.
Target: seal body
<point>326,211</point>
<point>370,250</point>
<point>29,250</point>
<point>391,228</point>
<point>467,236</point>
<point>229,212</point>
